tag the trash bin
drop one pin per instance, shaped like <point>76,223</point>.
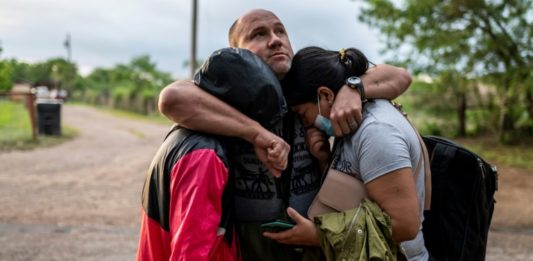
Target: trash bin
<point>49,118</point>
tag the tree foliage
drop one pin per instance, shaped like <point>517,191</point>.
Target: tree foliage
<point>489,41</point>
<point>5,74</point>
<point>132,86</point>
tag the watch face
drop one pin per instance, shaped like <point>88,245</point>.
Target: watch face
<point>354,80</point>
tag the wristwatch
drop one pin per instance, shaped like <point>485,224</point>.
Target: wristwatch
<point>356,83</point>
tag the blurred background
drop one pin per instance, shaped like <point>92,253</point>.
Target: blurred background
<point>106,61</point>
<point>473,57</point>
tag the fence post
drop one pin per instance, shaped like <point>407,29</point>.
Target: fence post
<point>30,103</point>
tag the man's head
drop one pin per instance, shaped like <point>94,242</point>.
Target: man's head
<point>261,32</point>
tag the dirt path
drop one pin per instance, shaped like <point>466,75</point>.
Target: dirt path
<point>81,200</point>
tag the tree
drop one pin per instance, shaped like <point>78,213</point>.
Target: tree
<point>133,86</point>
<point>5,74</point>
<point>486,40</point>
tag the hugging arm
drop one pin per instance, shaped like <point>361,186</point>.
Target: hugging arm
<point>381,81</point>
<point>184,103</point>
<point>394,192</point>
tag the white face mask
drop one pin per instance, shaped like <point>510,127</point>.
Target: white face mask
<point>323,123</point>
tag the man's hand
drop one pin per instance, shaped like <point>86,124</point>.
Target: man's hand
<point>346,112</point>
<point>272,151</point>
<point>303,233</point>
<point>318,145</point>
<point>382,81</point>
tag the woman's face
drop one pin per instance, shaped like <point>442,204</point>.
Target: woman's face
<point>307,112</point>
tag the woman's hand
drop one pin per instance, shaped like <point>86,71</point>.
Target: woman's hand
<point>318,144</point>
<point>303,233</point>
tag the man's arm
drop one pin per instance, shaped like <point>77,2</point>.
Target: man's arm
<point>381,81</point>
<point>186,104</point>
<point>385,81</point>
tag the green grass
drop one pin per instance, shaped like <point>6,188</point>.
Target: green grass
<point>518,156</point>
<point>417,102</point>
<point>16,132</point>
<point>15,123</point>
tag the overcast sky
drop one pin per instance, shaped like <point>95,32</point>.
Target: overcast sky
<point>105,33</point>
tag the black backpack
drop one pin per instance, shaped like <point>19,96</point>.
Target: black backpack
<point>462,202</point>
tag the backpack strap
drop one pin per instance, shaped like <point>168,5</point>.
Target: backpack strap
<point>424,157</point>
<point>427,171</point>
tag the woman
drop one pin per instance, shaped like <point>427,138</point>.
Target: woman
<point>383,153</point>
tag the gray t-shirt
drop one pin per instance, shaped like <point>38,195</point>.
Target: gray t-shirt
<point>384,142</point>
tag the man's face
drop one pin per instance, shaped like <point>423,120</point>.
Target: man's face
<point>262,33</point>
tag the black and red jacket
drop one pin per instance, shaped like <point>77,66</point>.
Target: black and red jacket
<point>185,214</point>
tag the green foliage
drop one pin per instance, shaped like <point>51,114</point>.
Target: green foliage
<point>134,86</point>
<point>462,44</point>
<point>5,76</point>
<point>54,73</point>
<point>431,107</point>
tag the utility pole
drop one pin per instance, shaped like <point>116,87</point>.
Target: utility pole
<point>193,37</point>
<point>67,45</point>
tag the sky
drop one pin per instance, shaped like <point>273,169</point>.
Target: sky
<point>105,33</point>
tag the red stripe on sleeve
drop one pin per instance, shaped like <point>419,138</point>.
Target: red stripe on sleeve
<point>154,241</point>
<point>196,186</point>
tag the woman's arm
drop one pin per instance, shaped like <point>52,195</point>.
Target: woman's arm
<point>395,193</point>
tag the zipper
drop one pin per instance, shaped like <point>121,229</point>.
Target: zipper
<point>352,224</point>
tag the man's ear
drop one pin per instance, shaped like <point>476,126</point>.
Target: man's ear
<point>326,94</point>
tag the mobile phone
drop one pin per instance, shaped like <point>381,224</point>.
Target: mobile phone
<point>276,226</point>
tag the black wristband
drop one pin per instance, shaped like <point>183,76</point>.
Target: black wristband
<point>356,83</point>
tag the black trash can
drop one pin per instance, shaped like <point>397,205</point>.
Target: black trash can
<point>49,118</point>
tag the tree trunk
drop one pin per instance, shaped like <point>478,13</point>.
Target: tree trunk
<point>507,120</point>
<point>461,115</point>
<point>529,108</point>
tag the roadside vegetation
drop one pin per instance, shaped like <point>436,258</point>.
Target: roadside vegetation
<point>16,130</point>
<point>472,63</point>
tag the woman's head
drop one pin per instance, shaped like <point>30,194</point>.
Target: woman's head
<point>314,67</point>
<point>316,77</point>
